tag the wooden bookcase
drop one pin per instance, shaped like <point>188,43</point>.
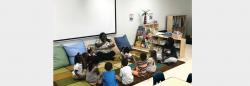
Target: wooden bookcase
<point>143,37</point>
<point>176,23</point>
<point>160,40</point>
<point>147,39</point>
<point>144,34</point>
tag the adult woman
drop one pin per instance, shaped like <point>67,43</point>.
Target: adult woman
<point>104,47</point>
<point>169,52</point>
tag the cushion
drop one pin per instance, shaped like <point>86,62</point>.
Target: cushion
<point>60,70</point>
<point>73,48</point>
<point>82,83</point>
<point>60,58</point>
<point>71,82</point>
<point>122,42</point>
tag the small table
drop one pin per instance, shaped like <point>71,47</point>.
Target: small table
<point>173,82</point>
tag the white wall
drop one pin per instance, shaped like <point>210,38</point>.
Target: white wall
<point>78,18</point>
<point>159,8</point>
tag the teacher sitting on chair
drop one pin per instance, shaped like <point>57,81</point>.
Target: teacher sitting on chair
<point>104,47</point>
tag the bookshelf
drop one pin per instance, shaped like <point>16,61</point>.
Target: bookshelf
<point>159,41</point>
<point>143,36</point>
<point>148,37</point>
<point>176,23</point>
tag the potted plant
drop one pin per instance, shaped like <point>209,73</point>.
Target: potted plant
<point>145,13</point>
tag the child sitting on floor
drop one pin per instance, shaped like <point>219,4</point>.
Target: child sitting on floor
<point>152,61</point>
<point>126,54</point>
<point>126,76</point>
<point>109,77</point>
<point>141,66</point>
<point>93,74</point>
<point>79,67</point>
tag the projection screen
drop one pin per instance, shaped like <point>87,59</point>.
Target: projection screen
<point>83,18</point>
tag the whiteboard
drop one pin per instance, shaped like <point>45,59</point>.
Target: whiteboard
<point>81,18</point>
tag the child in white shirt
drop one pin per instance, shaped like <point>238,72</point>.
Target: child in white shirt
<point>125,76</point>
<point>79,71</point>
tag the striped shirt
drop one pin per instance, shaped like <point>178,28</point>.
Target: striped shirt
<point>142,67</point>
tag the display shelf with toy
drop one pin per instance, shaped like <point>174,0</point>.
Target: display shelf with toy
<point>143,39</point>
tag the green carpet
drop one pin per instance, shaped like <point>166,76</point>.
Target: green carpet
<point>71,82</point>
<point>158,65</point>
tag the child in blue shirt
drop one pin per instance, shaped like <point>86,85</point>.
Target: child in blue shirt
<point>109,77</point>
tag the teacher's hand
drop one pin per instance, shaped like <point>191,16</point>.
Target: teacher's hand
<point>111,46</point>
